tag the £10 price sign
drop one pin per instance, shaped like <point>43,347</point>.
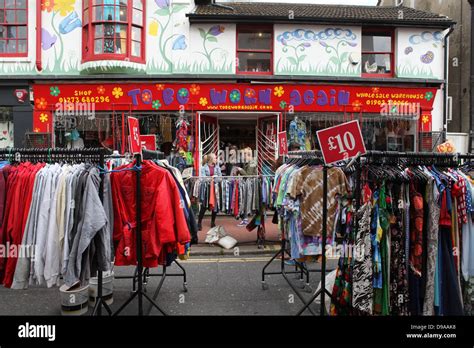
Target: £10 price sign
<point>134,131</point>
<point>341,142</point>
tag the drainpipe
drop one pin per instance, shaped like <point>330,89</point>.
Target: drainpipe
<point>445,87</point>
<point>39,65</point>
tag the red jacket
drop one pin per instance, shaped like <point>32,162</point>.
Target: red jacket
<point>163,220</point>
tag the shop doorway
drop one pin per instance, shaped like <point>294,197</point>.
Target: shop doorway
<point>232,135</point>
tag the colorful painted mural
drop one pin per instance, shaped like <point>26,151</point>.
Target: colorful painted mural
<point>420,53</point>
<point>317,50</point>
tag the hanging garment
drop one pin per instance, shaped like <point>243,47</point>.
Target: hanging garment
<point>362,290</point>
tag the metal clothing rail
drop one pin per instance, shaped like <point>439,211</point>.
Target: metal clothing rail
<point>283,250</point>
<point>58,154</point>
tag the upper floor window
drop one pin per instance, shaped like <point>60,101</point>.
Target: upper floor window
<point>13,28</point>
<point>254,49</point>
<point>377,53</point>
<point>114,29</point>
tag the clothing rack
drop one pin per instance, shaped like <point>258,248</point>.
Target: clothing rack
<point>283,250</point>
<point>140,292</point>
<point>62,154</point>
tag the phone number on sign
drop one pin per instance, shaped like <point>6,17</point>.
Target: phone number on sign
<point>101,99</point>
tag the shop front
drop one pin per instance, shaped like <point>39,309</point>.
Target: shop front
<point>191,120</point>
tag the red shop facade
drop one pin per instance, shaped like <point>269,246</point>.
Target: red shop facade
<point>199,118</point>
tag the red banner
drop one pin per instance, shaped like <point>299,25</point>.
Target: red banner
<point>341,142</point>
<point>224,97</point>
<point>282,144</point>
<point>148,142</point>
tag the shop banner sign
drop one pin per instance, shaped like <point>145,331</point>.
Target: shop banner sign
<point>86,99</point>
<point>134,131</point>
<point>341,142</point>
<point>148,142</point>
<point>282,144</point>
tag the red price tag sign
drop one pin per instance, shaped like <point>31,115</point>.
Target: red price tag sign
<point>282,144</point>
<point>148,142</point>
<point>134,131</point>
<point>341,142</point>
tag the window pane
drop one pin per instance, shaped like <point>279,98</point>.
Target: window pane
<point>98,46</point>
<point>11,31</point>
<point>97,2</point>
<point>10,3</point>
<point>2,16</point>
<point>98,13</point>
<point>254,62</point>
<point>111,12</point>
<point>2,3</point>
<point>10,16</point>
<point>3,31</point>
<point>99,30</point>
<point>138,4</point>
<point>376,64</point>
<point>376,43</point>
<point>123,3</point>
<point>123,14</point>
<point>11,46</point>
<point>21,32</point>
<point>2,46</point>
<point>22,46</point>
<point>137,17</point>
<point>121,47</point>
<point>136,49</point>
<point>136,34</point>
<point>256,40</point>
<point>109,30</point>
<point>21,16</point>
<point>20,3</point>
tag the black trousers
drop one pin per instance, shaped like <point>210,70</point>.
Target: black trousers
<point>203,211</point>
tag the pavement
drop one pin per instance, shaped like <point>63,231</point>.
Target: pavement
<point>223,285</point>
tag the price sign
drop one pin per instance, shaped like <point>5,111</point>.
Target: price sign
<point>341,142</point>
<point>282,144</point>
<point>134,131</point>
<point>148,142</point>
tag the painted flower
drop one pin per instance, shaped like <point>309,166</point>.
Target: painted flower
<point>425,119</point>
<point>306,44</point>
<point>195,89</point>
<point>235,96</point>
<point>64,6</point>
<point>146,97</point>
<point>203,101</point>
<point>162,3</point>
<point>43,117</point>
<point>101,89</point>
<point>153,28</point>
<point>357,105</point>
<point>278,91</point>
<point>216,30</point>
<point>408,50</point>
<point>156,104</point>
<point>37,130</point>
<point>180,43</point>
<point>47,5</point>
<point>41,103</point>
<point>183,92</point>
<point>54,91</point>
<point>117,92</point>
<point>47,39</point>
<point>352,44</point>
<point>375,89</point>
<point>250,93</point>
<point>160,87</point>
<point>283,104</point>
<point>429,96</point>
<point>322,43</point>
<point>427,58</point>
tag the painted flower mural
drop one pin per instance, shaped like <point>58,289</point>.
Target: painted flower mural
<point>203,101</point>
<point>47,5</point>
<point>331,39</point>
<point>429,96</point>
<point>44,117</point>
<point>234,96</point>
<point>47,40</point>
<point>63,7</point>
<point>100,89</point>
<point>279,91</point>
<point>40,103</point>
<point>427,58</point>
<point>158,27</point>
<point>195,89</point>
<point>210,36</point>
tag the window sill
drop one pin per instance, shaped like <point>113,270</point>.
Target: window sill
<point>15,60</point>
<point>110,66</point>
